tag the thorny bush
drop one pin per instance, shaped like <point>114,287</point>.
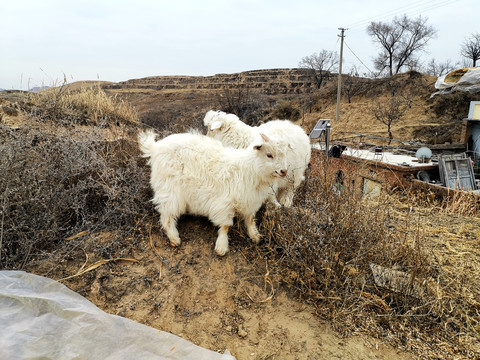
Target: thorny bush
<point>52,187</point>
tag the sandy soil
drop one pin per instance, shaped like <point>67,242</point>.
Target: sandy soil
<point>216,302</point>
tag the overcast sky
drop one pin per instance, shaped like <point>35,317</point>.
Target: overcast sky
<point>43,40</point>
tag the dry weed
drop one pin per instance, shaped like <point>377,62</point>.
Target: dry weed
<point>54,184</point>
<point>369,266</point>
<point>87,106</point>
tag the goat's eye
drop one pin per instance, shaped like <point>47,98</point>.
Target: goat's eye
<point>270,156</point>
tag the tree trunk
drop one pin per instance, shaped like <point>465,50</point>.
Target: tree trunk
<point>390,135</point>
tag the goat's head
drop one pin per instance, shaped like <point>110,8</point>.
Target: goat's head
<point>271,155</point>
<point>219,123</point>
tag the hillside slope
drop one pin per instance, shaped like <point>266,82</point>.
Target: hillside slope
<point>165,100</point>
<point>75,198</point>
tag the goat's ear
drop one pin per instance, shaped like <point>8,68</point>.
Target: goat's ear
<point>215,125</point>
<point>209,117</point>
<point>265,138</point>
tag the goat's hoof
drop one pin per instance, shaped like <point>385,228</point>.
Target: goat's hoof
<point>174,243</point>
<point>256,238</point>
<point>221,251</point>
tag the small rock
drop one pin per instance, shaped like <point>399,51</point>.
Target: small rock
<point>242,333</point>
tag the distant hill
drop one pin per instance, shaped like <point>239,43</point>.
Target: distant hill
<point>38,88</point>
<point>179,102</point>
<point>34,89</point>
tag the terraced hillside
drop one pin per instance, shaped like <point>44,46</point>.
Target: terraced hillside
<point>260,95</point>
<point>271,82</point>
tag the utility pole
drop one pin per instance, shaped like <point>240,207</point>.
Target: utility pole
<point>339,86</point>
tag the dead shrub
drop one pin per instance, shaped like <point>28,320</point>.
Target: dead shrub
<point>367,269</point>
<point>55,186</point>
<point>286,110</point>
<point>168,121</point>
<point>246,103</point>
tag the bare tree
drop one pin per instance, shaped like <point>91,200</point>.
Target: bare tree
<point>442,68</point>
<point>471,48</point>
<point>400,41</point>
<point>246,104</point>
<point>320,66</point>
<point>389,112</point>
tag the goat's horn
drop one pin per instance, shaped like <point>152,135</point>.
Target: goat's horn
<point>265,137</point>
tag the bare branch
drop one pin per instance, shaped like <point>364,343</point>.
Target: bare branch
<point>320,66</point>
<point>399,41</point>
<point>471,48</point>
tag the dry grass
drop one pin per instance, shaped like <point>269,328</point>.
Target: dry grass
<point>379,267</point>
<point>89,105</point>
<point>458,203</point>
<point>461,203</point>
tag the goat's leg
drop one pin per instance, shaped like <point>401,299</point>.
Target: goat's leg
<point>221,245</point>
<point>169,224</point>
<point>252,228</point>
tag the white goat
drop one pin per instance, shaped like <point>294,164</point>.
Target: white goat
<point>231,131</point>
<point>192,173</point>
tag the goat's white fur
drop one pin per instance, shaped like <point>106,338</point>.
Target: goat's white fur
<point>231,131</point>
<point>192,173</point>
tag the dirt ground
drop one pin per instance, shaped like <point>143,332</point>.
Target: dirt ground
<point>215,302</point>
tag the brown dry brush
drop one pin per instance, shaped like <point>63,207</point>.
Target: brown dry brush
<point>88,106</point>
<point>54,183</point>
<point>327,246</point>
<point>462,203</point>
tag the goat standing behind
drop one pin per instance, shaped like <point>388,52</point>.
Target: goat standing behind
<point>231,131</point>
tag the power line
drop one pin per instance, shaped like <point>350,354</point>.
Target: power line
<point>387,14</point>
<point>357,56</point>
<point>409,10</point>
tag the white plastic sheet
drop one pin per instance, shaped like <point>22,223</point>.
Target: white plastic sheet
<point>469,81</point>
<point>43,319</point>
